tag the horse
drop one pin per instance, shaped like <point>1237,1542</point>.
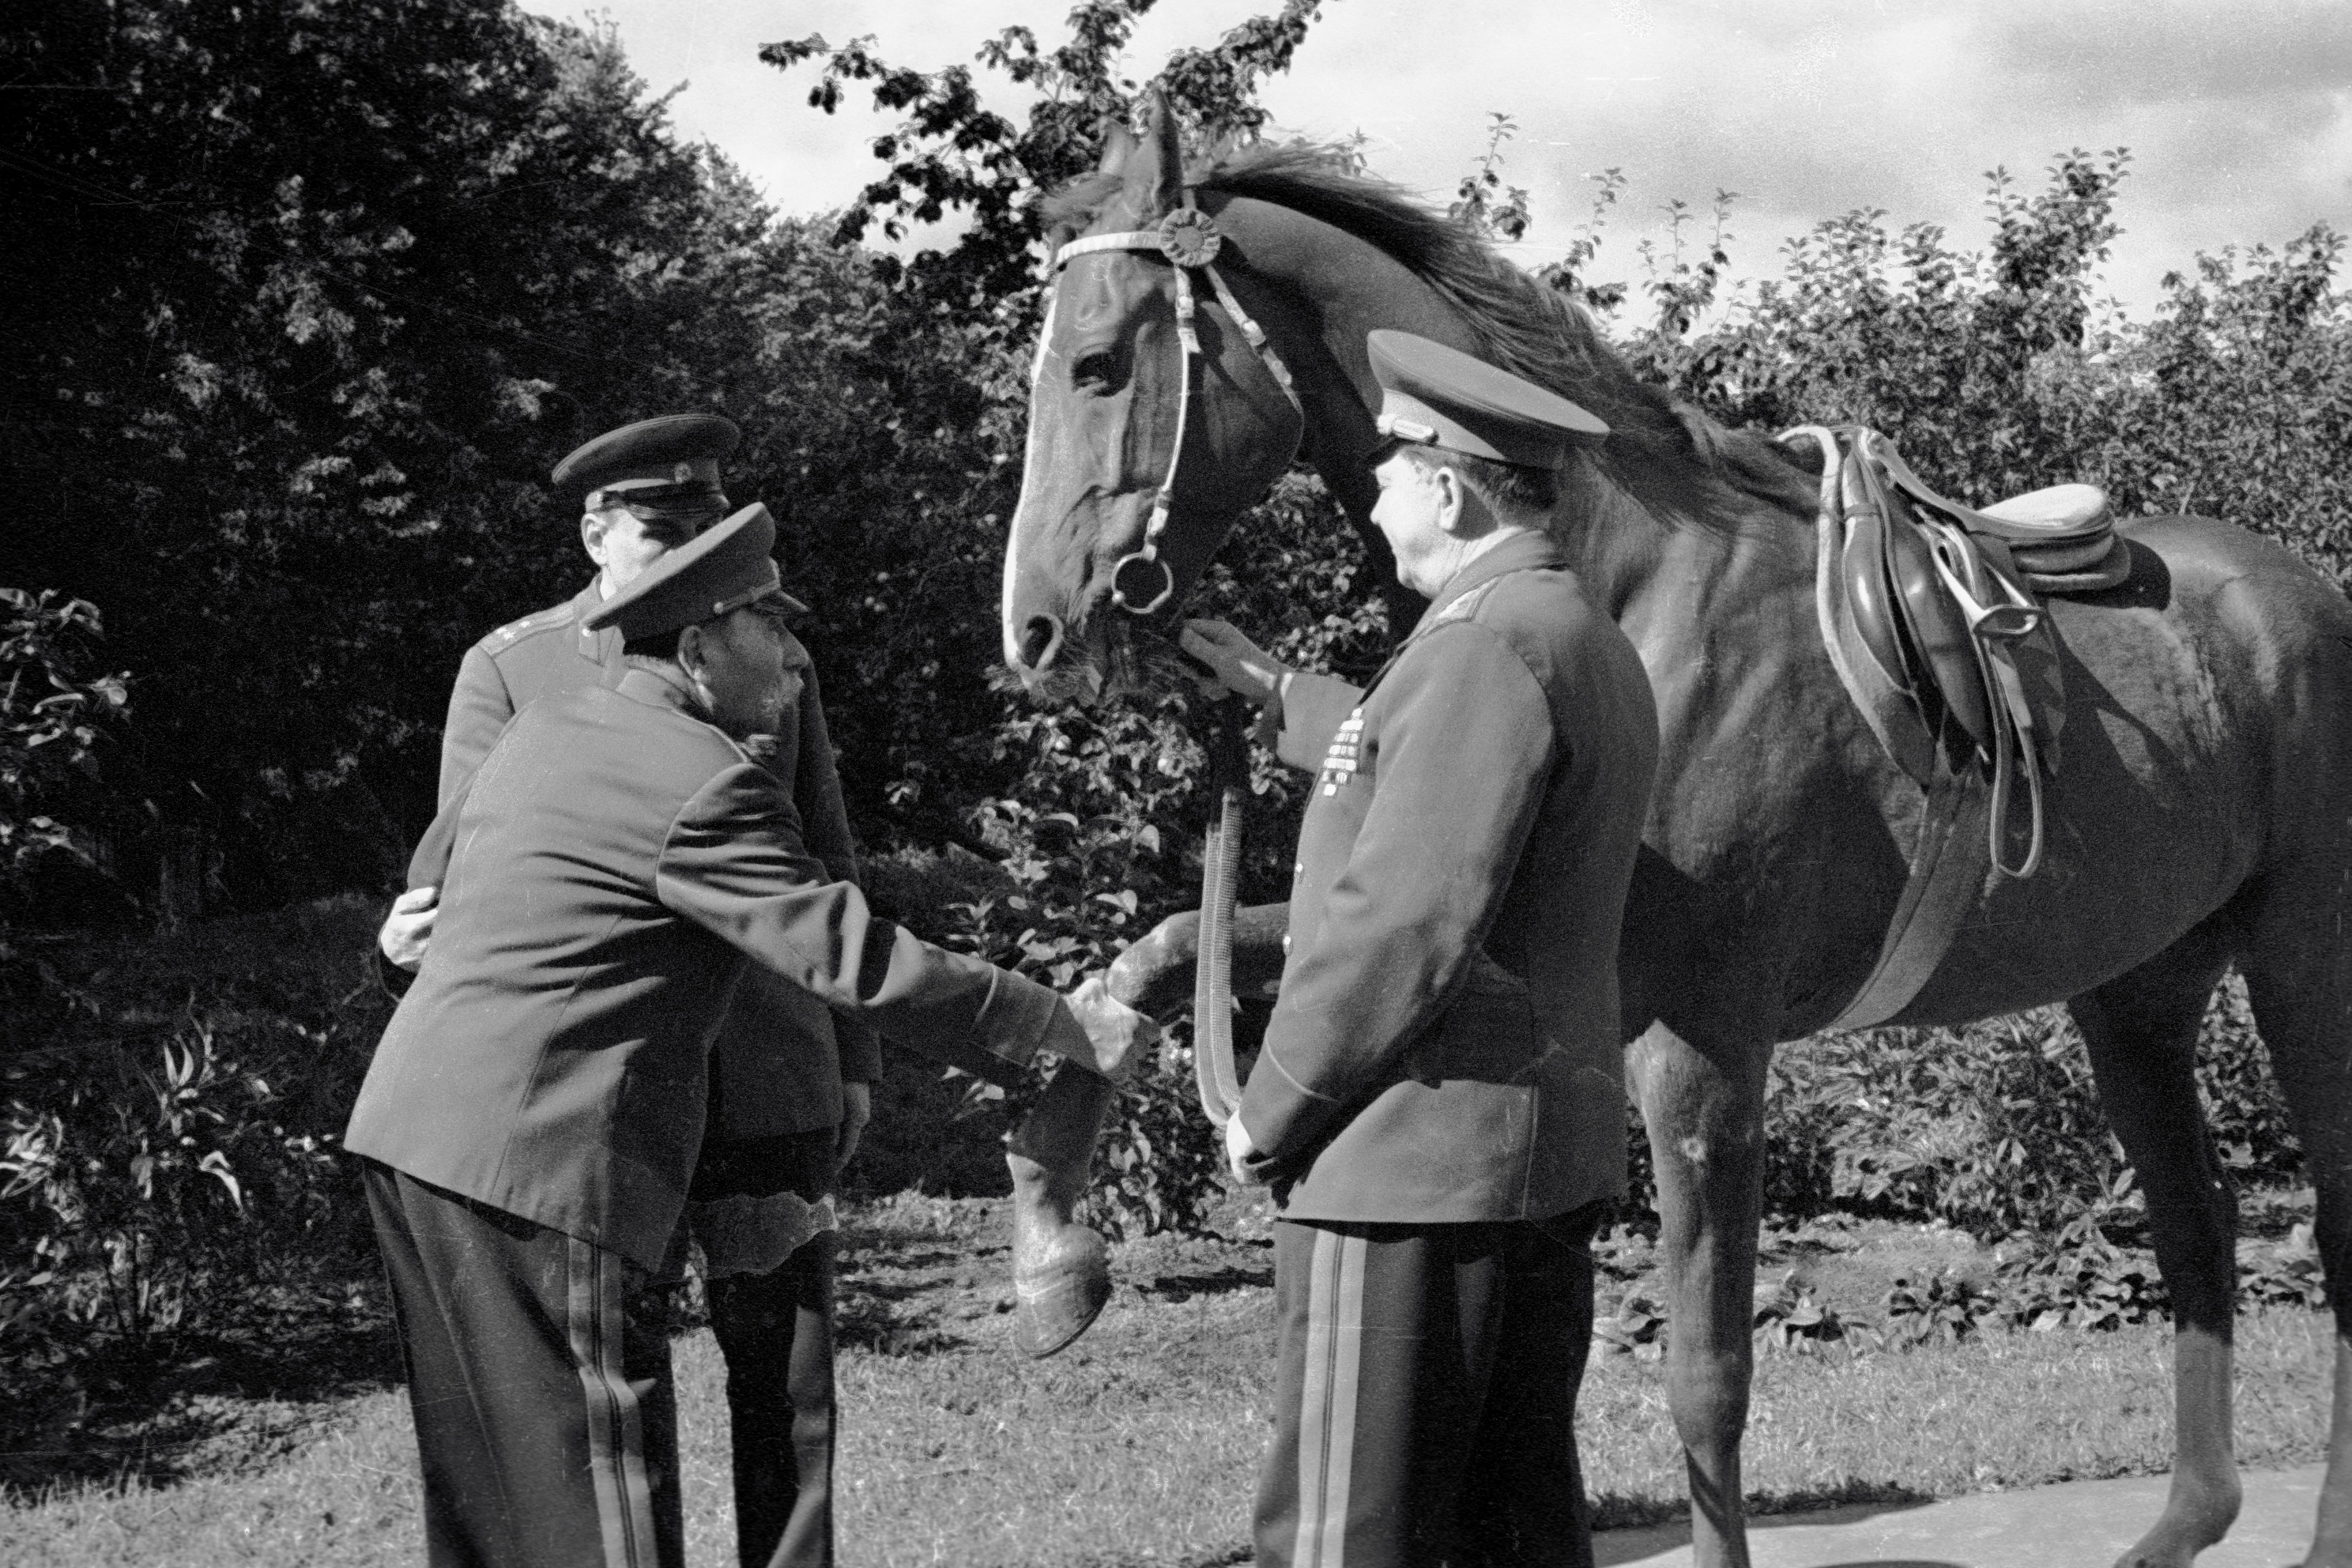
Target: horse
<point>2198,818</point>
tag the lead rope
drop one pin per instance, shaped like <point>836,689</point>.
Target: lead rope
<point>1213,1072</point>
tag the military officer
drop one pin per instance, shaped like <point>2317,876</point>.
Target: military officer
<point>790,1082</point>
<point>533,1114</point>
<point>1439,1101</point>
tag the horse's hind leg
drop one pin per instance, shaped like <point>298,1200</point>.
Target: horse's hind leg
<point>2299,977</point>
<point>1704,1107</point>
<point>2142,1028</point>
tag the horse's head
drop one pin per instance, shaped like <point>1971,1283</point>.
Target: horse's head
<point>1124,418</point>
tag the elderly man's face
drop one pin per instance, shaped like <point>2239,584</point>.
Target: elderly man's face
<point>625,545</point>
<point>748,667</point>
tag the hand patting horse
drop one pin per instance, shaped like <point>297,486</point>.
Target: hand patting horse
<point>2200,818</point>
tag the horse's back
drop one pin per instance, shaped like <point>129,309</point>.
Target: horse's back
<point>2207,743</point>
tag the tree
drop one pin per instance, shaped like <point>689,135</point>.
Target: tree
<point>309,298</point>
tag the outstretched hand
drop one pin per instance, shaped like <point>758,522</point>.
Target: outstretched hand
<point>1118,1037</point>
<point>1238,665</point>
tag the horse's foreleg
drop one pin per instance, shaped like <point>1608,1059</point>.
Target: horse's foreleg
<point>2142,1030</point>
<point>1061,1273</point>
<point>1704,1107</point>
<point>2299,976</point>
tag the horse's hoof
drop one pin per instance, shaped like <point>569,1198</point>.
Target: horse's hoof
<point>1057,1303</point>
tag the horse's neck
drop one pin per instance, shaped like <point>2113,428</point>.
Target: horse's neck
<point>1335,288</point>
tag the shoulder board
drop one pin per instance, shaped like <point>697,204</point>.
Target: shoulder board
<point>513,632</point>
<point>1461,609</point>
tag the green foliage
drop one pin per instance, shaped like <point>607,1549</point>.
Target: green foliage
<point>1998,370</point>
<point>1996,1128</point>
<point>52,714</point>
<point>1790,1318</point>
<point>321,293</point>
<point>1945,1306</point>
<point>950,155</point>
<point>170,1150</point>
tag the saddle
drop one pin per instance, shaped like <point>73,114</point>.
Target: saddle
<point>1932,614</point>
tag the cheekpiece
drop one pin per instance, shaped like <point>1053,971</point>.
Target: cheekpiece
<point>1190,237</point>
<point>701,580</point>
<point>1434,396</point>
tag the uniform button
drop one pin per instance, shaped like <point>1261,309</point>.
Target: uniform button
<point>1285,942</point>
<point>1298,868</point>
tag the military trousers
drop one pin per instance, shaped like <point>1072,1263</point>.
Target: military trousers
<point>539,1376</point>
<point>1425,1395</point>
<point>774,1329</point>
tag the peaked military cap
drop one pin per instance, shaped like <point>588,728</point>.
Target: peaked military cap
<point>669,464</point>
<point>1439,396</point>
<point>701,580</point>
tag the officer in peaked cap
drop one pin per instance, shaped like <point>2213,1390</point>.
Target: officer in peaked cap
<point>792,1082</point>
<point>1439,1101</point>
<point>534,1117</point>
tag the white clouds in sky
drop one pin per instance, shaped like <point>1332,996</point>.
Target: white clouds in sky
<point>2239,116</point>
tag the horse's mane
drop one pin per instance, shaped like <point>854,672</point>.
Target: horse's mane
<point>1667,455</point>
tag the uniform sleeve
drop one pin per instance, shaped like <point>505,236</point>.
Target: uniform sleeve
<point>733,864</point>
<point>1465,750</point>
<point>824,822</point>
<point>428,867</point>
<point>1312,710</point>
<point>479,707</point>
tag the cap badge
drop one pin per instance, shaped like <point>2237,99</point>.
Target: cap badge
<point>682,472</point>
<point>1405,429</point>
<point>1190,237</point>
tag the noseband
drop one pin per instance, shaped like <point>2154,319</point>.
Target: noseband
<point>1141,583</point>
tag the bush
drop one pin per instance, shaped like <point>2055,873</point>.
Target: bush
<point>1995,1127</point>
<point>174,1151</point>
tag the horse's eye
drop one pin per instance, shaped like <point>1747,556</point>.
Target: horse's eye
<point>1095,371</point>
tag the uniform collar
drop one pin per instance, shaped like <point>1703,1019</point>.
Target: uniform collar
<point>1530,551</point>
<point>658,688</point>
<point>593,646</point>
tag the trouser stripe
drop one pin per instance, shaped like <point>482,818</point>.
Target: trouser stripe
<point>1327,1424</point>
<point>616,1445</point>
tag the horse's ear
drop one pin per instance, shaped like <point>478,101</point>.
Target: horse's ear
<point>1118,141</point>
<point>1155,174</point>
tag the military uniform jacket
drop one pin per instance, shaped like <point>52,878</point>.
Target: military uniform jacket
<point>615,861</point>
<point>781,1054</point>
<point>1446,1047</point>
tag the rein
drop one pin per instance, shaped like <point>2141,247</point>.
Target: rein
<point>1142,585</point>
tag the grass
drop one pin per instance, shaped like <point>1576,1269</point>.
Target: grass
<point>1140,1445</point>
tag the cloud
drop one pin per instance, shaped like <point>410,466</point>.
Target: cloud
<point>2239,116</point>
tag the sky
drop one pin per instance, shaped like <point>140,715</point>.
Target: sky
<point>2238,113</point>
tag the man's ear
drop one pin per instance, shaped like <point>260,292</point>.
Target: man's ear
<point>591,536</point>
<point>690,654</point>
<point>1452,496</point>
<point>1462,512</point>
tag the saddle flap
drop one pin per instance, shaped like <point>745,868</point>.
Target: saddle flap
<point>1939,631</point>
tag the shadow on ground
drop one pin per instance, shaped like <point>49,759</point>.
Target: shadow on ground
<point>184,1404</point>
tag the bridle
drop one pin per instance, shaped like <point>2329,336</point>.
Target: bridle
<point>1141,583</point>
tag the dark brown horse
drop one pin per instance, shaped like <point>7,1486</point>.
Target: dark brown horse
<point>2203,814</point>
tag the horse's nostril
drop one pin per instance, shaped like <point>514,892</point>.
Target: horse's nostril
<point>1040,640</point>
